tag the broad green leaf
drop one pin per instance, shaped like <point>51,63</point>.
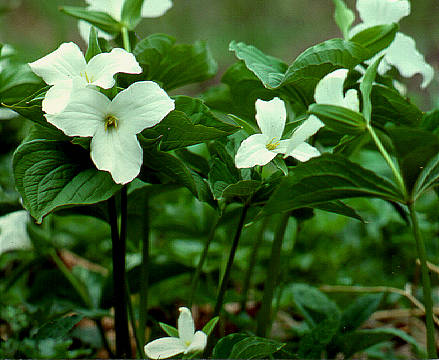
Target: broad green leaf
<point>57,329</point>
<point>224,346</point>
<point>366,88</point>
<point>249,128</point>
<point>312,304</point>
<point>430,121</point>
<point>99,19</point>
<point>338,207</point>
<point>344,17</point>
<point>328,178</point>
<point>359,311</point>
<point>93,45</point>
<point>208,328</point>
<point>168,329</point>
<point>53,174</point>
<point>389,106</point>
<point>427,178</point>
<point>376,38</point>
<point>176,65</point>
<point>414,148</point>
<point>31,110</point>
<point>339,119</point>
<point>243,188</point>
<point>255,348</point>
<point>18,82</point>
<point>268,69</point>
<point>195,161</point>
<point>131,13</point>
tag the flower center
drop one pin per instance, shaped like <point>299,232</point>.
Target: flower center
<point>85,75</point>
<point>111,122</point>
<point>272,145</point>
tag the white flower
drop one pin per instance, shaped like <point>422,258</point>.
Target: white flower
<point>113,125</point>
<point>150,9</point>
<point>402,52</point>
<point>188,340</point>
<point>13,231</point>
<point>67,70</point>
<point>260,149</point>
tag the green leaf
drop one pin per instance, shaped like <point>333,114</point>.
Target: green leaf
<point>243,188</point>
<point>430,121</point>
<point>255,348</point>
<point>427,178</point>
<point>359,311</point>
<point>268,69</point>
<point>93,45</point>
<point>249,128</point>
<point>208,328</point>
<point>328,178</point>
<point>376,38</point>
<point>57,329</point>
<point>389,106</point>
<point>174,65</point>
<point>339,119</point>
<point>131,13</point>
<point>18,82</point>
<point>344,17</point>
<point>53,174</point>
<point>338,207</point>
<point>224,346</point>
<point>366,88</point>
<point>414,148</point>
<point>99,19</point>
<point>168,329</point>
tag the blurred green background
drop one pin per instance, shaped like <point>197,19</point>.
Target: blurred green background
<point>282,28</point>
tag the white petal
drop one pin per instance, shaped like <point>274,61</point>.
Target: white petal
<point>253,152</point>
<point>198,343</point>
<point>7,114</point>
<point>84,113</point>
<point>186,326</point>
<point>64,63</point>
<point>13,231</point>
<point>351,100</point>
<point>303,152</point>
<point>164,348</point>
<point>155,8</point>
<point>403,55</point>
<point>142,105</point>
<point>379,12</point>
<point>111,7</point>
<point>84,31</point>
<point>122,156</point>
<point>102,67</point>
<point>271,116</point>
<point>307,129</point>
<point>57,97</point>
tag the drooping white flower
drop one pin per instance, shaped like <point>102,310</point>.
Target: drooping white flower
<point>113,125</point>
<point>150,9</point>
<point>260,149</point>
<point>13,231</point>
<point>188,340</point>
<point>402,52</point>
<point>67,70</point>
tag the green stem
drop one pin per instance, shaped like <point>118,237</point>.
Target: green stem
<point>252,263</point>
<point>388,159</point>
<point>123,349</point>
<point>144,275</point>
<point>126,39</point>
<point>196,278</point>
<point>264,314</point>
<point>428,302</point>
<point>133,323</point>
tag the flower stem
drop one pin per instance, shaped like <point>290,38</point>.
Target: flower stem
<point>388,159</point>
<point>264,314</point>
<point>252,263</point>
<point>126,39</point>
<point>123,349</point>
<point>196,278</point>
<point>428,302</point>
<point>144,275</point>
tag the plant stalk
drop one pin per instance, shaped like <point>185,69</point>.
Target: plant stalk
<point>264,314</point>
<point>123,349</point>
<point>126,39</point>
<point>201,261</point>
<point>428,302</point>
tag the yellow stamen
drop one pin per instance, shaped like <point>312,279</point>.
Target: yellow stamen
<point>111,122</point>
<point>271,146</point>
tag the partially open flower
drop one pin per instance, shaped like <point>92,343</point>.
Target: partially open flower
<point>188,340</point>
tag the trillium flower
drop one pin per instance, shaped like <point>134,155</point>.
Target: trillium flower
<point>67,70</point>
<point>188,340</point>
<point>150,9</point>
<point>113,125</point>
<point>402,52</point>
<point>13,231</point>
<point>260,149</point>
